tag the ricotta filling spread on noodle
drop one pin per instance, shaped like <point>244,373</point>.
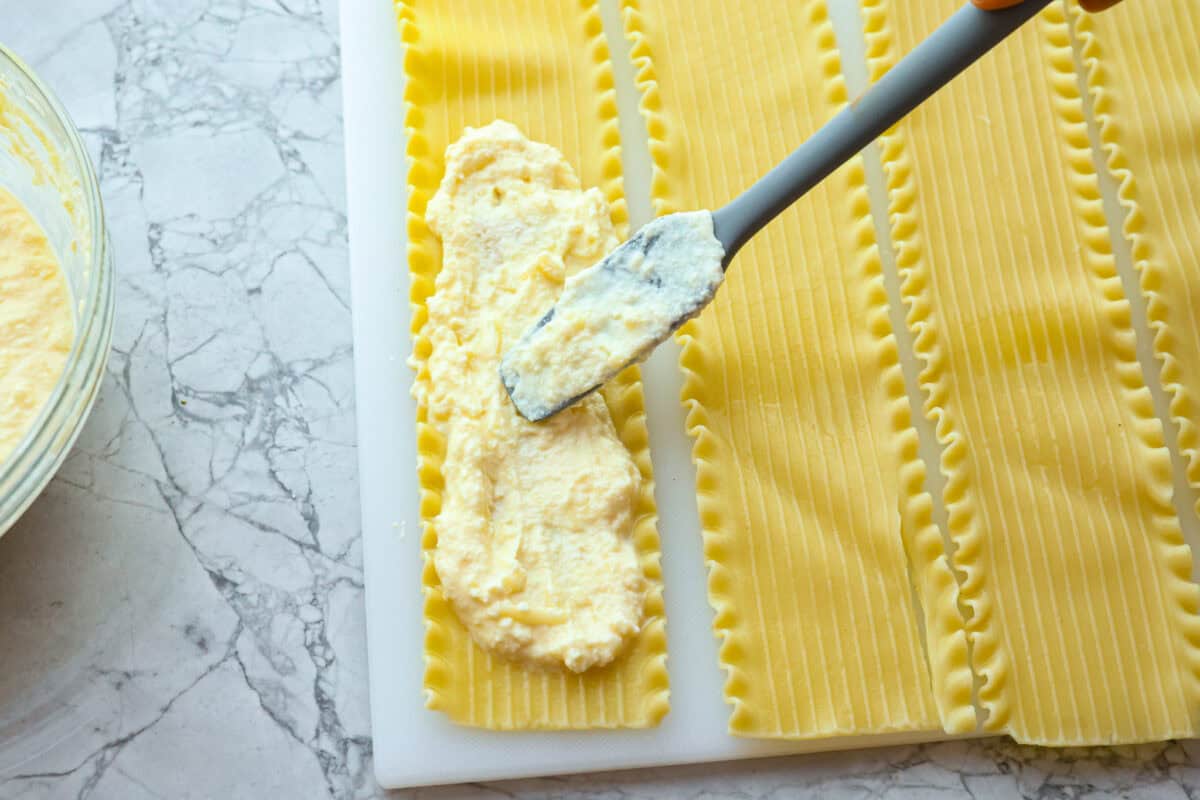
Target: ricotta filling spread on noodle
<point>36,326</point>
<point>534,546</point>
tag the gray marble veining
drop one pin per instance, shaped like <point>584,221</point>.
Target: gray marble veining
<point>181,612</point>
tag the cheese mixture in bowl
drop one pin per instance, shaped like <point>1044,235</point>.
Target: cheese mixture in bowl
<point>36,326</point>
<point>56,287</point>
<point>534,545</point>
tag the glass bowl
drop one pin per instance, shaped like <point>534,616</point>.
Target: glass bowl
<point>44,163</point>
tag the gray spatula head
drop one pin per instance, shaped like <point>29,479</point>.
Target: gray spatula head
<point>614,313</point>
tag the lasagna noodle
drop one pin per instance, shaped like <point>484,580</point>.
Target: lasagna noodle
<point>544,66</point>
<point>1140,62</point>
<point>808,480</point>
<point>1058,485</point>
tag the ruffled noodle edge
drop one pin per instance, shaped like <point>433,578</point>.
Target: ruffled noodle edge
<point>986,657</point>
<point>624,395</point>
<point>726,626</point>
<point>423,257</point>
<point>945,634</point>
<point>1168,540</point>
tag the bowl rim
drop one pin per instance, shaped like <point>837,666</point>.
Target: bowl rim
<point>92,307</point>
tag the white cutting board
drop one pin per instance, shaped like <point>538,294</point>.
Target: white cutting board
<point>412,745</point>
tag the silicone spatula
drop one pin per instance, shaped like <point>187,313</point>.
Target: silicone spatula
<point>552,366</point>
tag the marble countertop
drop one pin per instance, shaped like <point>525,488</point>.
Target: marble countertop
<point>182,610</point>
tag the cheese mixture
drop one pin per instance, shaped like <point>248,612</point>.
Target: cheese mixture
<point>615,313</point>
<point>534,548</point>
<point>36,326</point>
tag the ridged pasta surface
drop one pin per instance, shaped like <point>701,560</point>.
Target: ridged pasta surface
<point>815,524</point>
<point>1075,574</point>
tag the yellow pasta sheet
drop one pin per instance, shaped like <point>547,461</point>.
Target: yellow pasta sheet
<point>809,485</point>
<point>1075,575</point>
<point>544,66</point>
<point>1144,77</point>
